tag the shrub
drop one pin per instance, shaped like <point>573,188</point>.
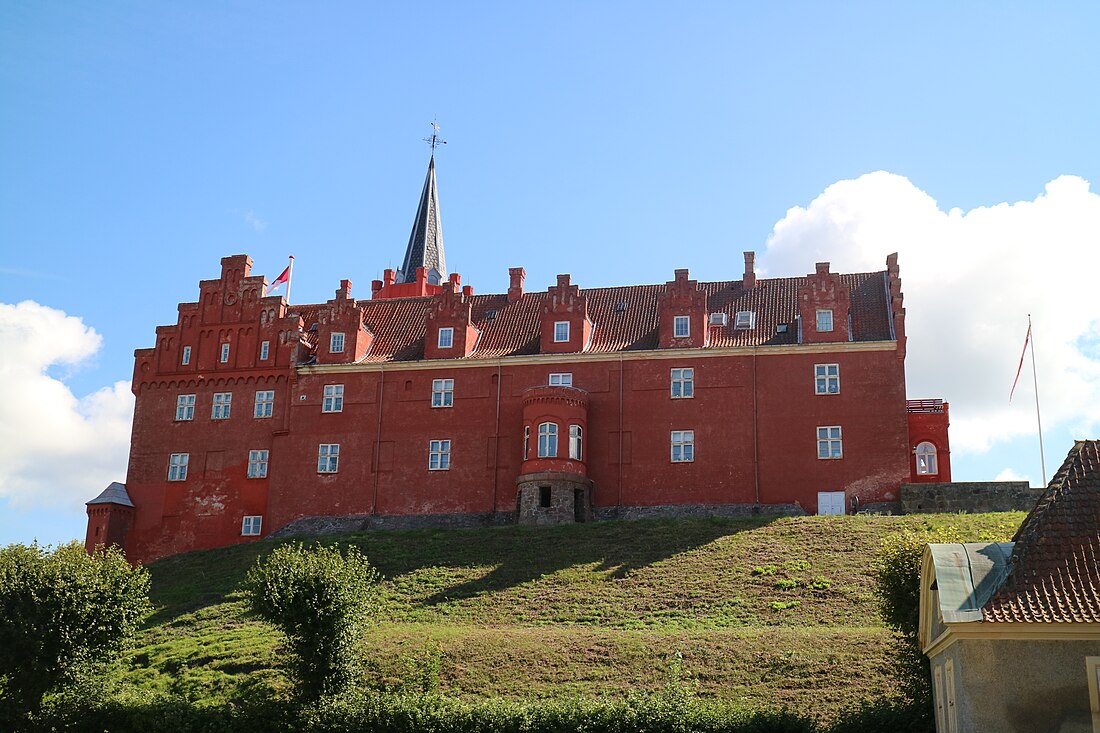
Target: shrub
<point>320,599</point>
<point>897,576</point>
<point>63,616</point>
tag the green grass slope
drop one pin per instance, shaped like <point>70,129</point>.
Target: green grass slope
<point>772,612</point>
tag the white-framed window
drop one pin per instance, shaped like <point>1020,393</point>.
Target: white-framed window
<point>265,403</point>
<point>186,356</point>
<point>443,392</point>
<point>526,441</point>
<point>332,399</point>
<point>824,320</point>
<point>446,337</point>
<point>1092,670</point>
<point>328,457</point>
<point>439,455</point>
<point>681,326</point>
<point>185,407</point>
<point>949,689</point>
<point>927,465</point>
<point>576,439</point>
<point>265,350</point>
<point>336,343</point>
<point>177,466</point>
<point>250,526</point>
<point>827,378</point>
<point>829,444</point>
<point>561,379</point>
<point>683,446</point>
<point>225,353</point>
<point>683,382</point>
<point>223,404</point>
<point>938,696</point>
<point>744,320</point>
<point>548,440</point>
<point>561,331</point>
<point>257,464</point>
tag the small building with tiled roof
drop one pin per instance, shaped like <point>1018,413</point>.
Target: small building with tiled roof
<point>1012,629</point>
<point>429,404</point>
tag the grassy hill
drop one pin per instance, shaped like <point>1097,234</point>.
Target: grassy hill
<point>773,612</point>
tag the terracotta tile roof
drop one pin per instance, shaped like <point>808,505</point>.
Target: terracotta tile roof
<point>512,329</point>
<point>1056,559</point>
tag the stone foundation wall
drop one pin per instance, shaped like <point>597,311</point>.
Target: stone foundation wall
<point>969,497</point>
<point>562,491</point>
<point>319,526</point>
<point>695,511</point>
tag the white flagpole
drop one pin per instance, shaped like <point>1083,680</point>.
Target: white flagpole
<point>290,276</point>
<point>1038,418</point>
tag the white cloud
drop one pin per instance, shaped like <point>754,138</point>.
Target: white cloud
<point>56,449</point>
<point>1010,474</point>
<point>970,280</point>
<point>256,222</point>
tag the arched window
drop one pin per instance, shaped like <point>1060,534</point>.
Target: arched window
<point>548,440</point>
<point>926,459</point>
<point>575,435</point>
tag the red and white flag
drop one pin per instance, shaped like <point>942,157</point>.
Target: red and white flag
<point>1023,353</point>
<point>283,278</point>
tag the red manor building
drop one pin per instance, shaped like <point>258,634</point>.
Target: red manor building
<point>429,405</point>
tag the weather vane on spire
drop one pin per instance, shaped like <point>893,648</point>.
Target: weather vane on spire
<point>434,139</point>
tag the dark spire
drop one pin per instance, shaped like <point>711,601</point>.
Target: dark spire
<point>426,239</point>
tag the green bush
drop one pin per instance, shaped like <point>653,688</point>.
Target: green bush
<point>897,575</point>
<point>321,600</point>
<point>64,615</point>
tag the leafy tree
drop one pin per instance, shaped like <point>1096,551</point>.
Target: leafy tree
<point>897,576</point>
<point>64,614</point>
<point>321,600</point>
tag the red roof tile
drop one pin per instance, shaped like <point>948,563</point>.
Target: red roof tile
<point>1056,559</point>
<point>512,329</point>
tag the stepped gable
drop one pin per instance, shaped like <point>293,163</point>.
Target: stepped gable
<point>625,318</point>
<point>1056,560</point>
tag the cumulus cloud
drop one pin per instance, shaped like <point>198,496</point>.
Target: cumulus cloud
<point>970,280</point>
<point>56,449</point>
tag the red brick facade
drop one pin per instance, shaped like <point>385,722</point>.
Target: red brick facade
<point>252,414</point>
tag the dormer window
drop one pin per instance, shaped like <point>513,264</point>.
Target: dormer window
<point>824,320</point>
<point>744,320</point>
<point>561,331</point>
<point>681,327</point>
<point>336,343</point>
<point>446,338</point>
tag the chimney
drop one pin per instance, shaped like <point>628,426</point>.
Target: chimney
<point>563,280</point>
<point>681,276</point>
<point>388,277</point>
<point>749,282</point>
<point>468,290</point>
<point>516,276</point>
<point>822,268</point>
<point>456,279</point>
<point>344,293</point>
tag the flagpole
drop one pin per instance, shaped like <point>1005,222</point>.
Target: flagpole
<point>290,276</point>
<point>1038,419</point>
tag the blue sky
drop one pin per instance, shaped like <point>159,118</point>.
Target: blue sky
<point>141,142</point>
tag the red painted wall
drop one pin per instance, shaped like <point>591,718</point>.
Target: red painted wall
<point>754,414</point>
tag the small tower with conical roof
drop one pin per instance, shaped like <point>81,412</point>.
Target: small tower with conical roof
<point>109,517</point>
